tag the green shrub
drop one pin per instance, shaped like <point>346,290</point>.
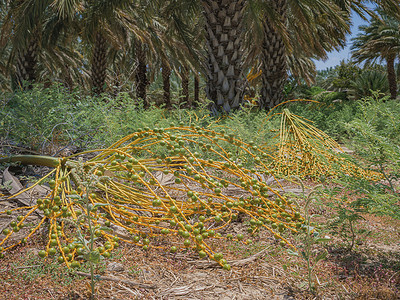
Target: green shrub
<point>48,119</point>
<point>375,135</point>
<point>328,116</point>
<point>366,83</point>
<point>330,97</point>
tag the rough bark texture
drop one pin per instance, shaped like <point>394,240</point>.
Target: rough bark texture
<point>224,67</point>
<point>196,89</point>
<point>99,64</point>
<point>274,64</point>
<point>26,65</point>
<point>391,76</point>
<point>67,78</point>
<point>185,87</point>
<point>166,74</point>
<point>141,73</point>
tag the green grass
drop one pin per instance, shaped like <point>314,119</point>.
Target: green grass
<point>31,268</point>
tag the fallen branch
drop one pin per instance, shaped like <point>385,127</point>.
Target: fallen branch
<point>115,279</point>
<point>234,263</point>
<point>21,268</point>
<point>184,290</point>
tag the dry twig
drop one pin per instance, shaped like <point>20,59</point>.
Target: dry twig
<point>115,279</point>
<point>234,263</point>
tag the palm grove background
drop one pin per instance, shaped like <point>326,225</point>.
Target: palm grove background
<point>61,57</point>
<point>114,45</point>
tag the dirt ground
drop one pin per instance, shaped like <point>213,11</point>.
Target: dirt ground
<point>262,270</point>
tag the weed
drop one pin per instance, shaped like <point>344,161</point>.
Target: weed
<point>31,268</point>
<point>134,270</point>
<point>308,240</point>
<point>345,218</point>
<point>86,245</point>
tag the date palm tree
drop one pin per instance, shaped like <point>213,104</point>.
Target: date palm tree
<point>221,62</point>
<point>38,42</point>
<point>22,28</point>
<point>177,44</point>
<point>4,51</point>
<point>379,40</point>
<point>297,28</point>
<point>184,74</point>
<point>98,26</point>
<point>105,24</point>
<point>284,36</point>
<point>269,24</point>
<point>141,77</point>
<point>223,24</point>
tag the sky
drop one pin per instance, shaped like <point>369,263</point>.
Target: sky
<point>335,57</point>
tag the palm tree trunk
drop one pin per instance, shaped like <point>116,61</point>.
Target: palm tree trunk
<point>223,43</point>
<point>196,89</point>
<point>99,64</point>
<point>391,76</point>
<point>166,74</point>
<point>141,74</point>
<point>274,64</point>
<point>67,78</point>
<point>185,87</point>
<point>26,65</point>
